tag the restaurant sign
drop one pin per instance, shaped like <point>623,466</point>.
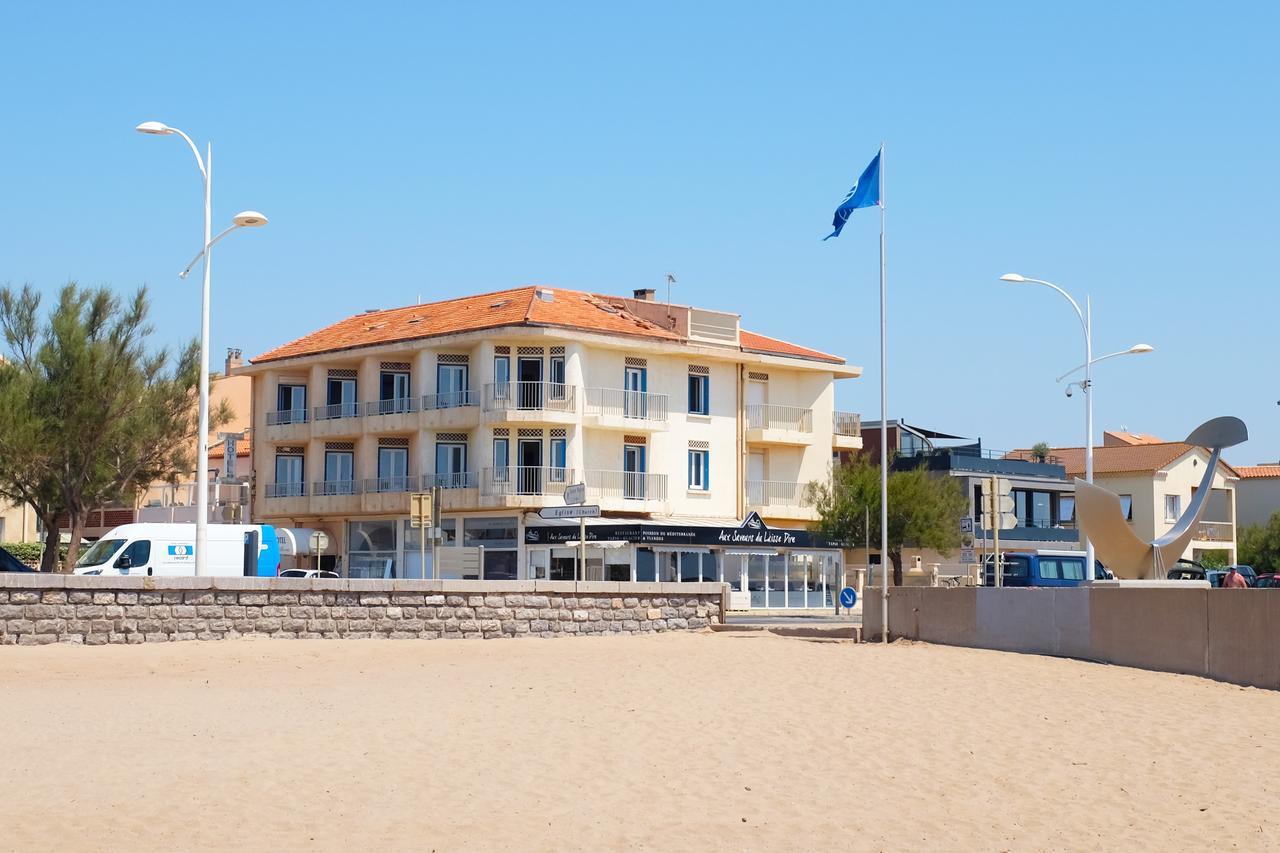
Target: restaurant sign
<point>752,531</point>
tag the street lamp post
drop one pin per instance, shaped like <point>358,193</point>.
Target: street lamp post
<point>248,219</point>
<point>1086,386</point>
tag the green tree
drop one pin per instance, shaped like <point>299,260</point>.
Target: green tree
<point>1040,451</point>
<point>1219,559</point>
<point>924,510</point>
<point>1259,545</point>
<point>87,415</point>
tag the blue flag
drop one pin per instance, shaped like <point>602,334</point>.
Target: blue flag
<point>865,193</point>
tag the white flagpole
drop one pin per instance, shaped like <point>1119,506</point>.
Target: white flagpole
<point>884,422</point>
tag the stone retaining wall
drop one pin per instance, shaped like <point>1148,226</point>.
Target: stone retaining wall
<point>38,609</point>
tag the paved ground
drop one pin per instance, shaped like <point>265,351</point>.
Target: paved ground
<point>768,621</point>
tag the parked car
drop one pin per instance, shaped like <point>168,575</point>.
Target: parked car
<point>10,563</point>
<point>1190,570</point>
<point>1268,581</point>
<point>308,573</point>
<point>1043,568</point>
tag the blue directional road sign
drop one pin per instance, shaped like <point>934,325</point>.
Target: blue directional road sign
<point>848,597</point>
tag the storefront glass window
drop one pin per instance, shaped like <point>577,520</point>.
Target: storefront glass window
<point>372,549</point>
<point>798,566</point>
<point>617,564</point>
<point>733,572</point>
<point>757,565</point>
<point>564,562</point>
<point>777,580</point>
<point>498,538</point>
<point>646,565</point>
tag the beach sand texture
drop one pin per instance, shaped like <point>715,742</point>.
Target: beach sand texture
<point>669,742</point>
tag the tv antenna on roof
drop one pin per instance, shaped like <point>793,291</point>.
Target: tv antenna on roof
<point>671,279</point>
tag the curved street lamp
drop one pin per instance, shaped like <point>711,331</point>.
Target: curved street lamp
<point>1086,385</point>
<point>247,219</point>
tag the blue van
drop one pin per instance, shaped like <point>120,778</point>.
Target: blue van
<point>1043,568</point>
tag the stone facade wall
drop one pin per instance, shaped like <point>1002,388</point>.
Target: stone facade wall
<point>38,609</point>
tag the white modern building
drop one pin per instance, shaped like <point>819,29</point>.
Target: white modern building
<point>682,426</point>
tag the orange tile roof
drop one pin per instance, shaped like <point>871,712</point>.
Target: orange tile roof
<point>1120,459</point>
<point>1252,472</point>
<point>516,307</point>
<point>1111,438</point>
<point>244,447</point>
<point>751,342</point>
<point>521,306</point>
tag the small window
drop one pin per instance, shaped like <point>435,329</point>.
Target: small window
<point>501,459</point>
<point>556,370</point>
<point>699,394</point>
<point>1071,568</point>
<point>1126,506</point>
<point>135,556</point>
<point>1067,509</point>
<point>1172,507</point>
<point>559,458</point>
<point>699,470</point>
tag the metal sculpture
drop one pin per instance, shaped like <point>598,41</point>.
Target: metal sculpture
<point>1102,519</point>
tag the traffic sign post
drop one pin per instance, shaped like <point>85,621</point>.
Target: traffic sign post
<point>581,512</point>
<point>848,598</point>
<point>576,494</point>
<point>318,542</point>
<point>999,517</point>
<point>424,516</point>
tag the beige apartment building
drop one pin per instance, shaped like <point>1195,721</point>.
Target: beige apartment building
<point>682,426</point>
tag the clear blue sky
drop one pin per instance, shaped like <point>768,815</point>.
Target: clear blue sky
<point>1122,150</point>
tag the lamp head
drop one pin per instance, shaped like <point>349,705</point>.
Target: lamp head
<point>1141,348</point>
<point>157,128</point>
<point>1012,276</point>
<point>249,219</point>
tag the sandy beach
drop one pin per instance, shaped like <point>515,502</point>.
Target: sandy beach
<point>671,742</point>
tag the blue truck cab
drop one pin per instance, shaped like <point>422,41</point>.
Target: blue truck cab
<point>1042,568</point>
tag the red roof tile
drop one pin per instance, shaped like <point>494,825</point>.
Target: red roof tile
<point>1253,472</point>
<point>519,306</point>
<point>1119,459</point>
<point>751,342</point>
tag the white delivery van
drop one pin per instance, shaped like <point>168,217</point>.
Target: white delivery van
<point>235,550</point>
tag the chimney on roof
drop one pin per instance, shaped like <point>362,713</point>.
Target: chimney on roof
<point>644,294</point>
<point>234,360</point>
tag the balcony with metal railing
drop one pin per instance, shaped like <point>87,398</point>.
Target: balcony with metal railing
<point>449,400</point>
<point>451,410</point>
<point>780,499</point>
<point>523,485</point>
<point>846,430</point>
<point>638,491</point>
<point>335,496</point>
<point>394,414</point>
<point>768,423</point>
<point>288,424</point>
<point>284,499</point>
<point>537,402</point>
<point>450,480</point>
<point>616,408</point>
<point>1215,531</point>
<point>457,489</point>
<point>337,419</point>
<point>286,490</point>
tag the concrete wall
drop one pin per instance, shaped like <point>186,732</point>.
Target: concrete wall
<point>1224,634</point>
<point>39,609</point>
